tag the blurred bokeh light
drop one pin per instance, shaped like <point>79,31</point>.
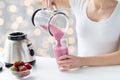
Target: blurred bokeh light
<point>1,21</point>
<point>15,15</point>
<point>12,8</point>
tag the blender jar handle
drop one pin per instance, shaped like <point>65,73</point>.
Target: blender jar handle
<point>33,16</point>
<point>29,44</point>
<point>54,6</point>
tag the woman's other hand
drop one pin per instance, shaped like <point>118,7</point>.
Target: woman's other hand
<point>70,62</point>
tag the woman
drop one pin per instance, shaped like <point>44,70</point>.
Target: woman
<point>98,33</point>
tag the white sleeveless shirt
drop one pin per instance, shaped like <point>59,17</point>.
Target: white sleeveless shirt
<point>96,38</point>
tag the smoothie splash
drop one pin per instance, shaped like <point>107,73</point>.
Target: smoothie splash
<point>56,32</point>
<point>59,49</point>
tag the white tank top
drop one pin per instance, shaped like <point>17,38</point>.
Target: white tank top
<point>96,38</point>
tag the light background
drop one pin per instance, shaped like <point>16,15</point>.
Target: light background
<point>15,15</point>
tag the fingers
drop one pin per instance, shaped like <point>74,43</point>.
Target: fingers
<point>65,57</point>
<point>68,62</point>
<point>67,67</point>
<point>65,62</point>
<point>47,3</point>
<point>44,3</point>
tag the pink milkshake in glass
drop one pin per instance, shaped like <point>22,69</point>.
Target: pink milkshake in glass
<point>60,48</point>
<point>60,51</point>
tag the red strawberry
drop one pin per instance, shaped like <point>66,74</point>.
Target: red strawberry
<point>18,63</point>
<point>29,66</point>
<point>22,68</point>
<point>21,63</point>
<point>15,64</point>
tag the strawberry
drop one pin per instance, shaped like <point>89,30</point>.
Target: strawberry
<point>21,63</point>
<point>28,65</point>
<point>22,68</point>
<point>16,63</point>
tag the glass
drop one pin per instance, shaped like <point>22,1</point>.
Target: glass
<point>21,74</point>
<point>45,17</point>
<point>60,50</point>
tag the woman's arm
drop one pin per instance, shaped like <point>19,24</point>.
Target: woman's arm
<point>103,60</point>
<point>69,61</point>
<point>62,3</point>
<point>59,3</point>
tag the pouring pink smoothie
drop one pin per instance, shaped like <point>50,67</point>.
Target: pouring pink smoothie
<point>57,33</point>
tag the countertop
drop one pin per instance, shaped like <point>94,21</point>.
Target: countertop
<point>47,69</point>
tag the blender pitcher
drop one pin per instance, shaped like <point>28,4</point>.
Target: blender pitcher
<point>45,17</point>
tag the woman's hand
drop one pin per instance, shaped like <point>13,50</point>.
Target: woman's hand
<point>57,3</point>
<point>48,3</point>
<point>69,62</point>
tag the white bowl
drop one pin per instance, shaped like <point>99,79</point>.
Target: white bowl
<point>21,74</point>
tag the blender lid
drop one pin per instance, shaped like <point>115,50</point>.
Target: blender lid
<point>17,36</point>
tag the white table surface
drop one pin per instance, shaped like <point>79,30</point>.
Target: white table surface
<point>46,69</point>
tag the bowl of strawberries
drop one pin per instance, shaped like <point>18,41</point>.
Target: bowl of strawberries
<point>21,69</point>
